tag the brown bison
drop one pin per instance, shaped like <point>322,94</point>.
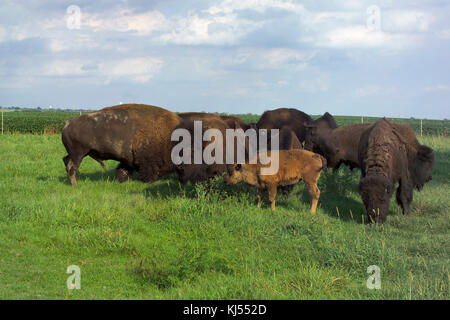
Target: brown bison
<point>337,145</point>
<point>340,146</point>
<point>293,119</point>
<point>293,166</point>
<point>388,156</point>
<point>136,135</point>
<point>236,122</point>
<point>202,172</point>
<point>231,121</point>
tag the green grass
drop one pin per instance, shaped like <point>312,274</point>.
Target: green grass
<point>167,241</point>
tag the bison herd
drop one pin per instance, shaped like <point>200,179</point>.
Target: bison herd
<point>139,137</point>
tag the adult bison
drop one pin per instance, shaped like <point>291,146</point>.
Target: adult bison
<point>199,172</point>
<point>293,119</point>
<point>384,162</point>
<point>231,121</point>
<point>136,135</point>
<point>337,145</point>
<point>340,146</point>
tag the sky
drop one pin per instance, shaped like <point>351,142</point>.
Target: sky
<point>373,58</point>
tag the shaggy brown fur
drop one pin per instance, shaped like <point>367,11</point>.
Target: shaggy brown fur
<point>294,165</point>
<point>202,172</point>
<point>340,146</point>
<point>138,136</point>
<point>384,162</point>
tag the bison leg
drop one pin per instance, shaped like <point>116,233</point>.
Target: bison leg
<point>71,168</point>
<point>147,175</point>
<point>259,197</point>
<point>272,196</point>
<point>123,173</point>
<point>404,196</point>
<point>315,194</point>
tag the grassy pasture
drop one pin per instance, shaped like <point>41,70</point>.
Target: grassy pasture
<point>168,241</point>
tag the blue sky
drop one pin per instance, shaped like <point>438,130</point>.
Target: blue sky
<point>375,58</point>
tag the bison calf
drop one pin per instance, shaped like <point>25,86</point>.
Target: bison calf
<point>294,165</point>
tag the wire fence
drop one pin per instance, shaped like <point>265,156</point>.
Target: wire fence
<point>51,122</point>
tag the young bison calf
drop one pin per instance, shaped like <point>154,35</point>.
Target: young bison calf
<point>294,165</point>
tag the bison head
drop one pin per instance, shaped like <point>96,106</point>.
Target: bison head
<point>234,174</point>
<point>422,167</point>
<point>199,172</point>
<point>376,192</point>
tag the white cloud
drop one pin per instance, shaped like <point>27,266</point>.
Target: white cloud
<point>362,37</point>
<point>137,69</point>
<point>439,87</point>
<point>221,25</point>
<point>126,21</point>
<point>443,34</point>
<point>268,59</point>
<point>216,30</point>
<point>230,6</point>
<point>406,21</point>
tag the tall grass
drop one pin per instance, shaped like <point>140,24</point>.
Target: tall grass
<point>170,241</point>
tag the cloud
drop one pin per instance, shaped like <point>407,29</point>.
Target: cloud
<point>138,70</point>
<point>437,88</point>
<point>268,59</point>
<point>125,20</point>
<point>406,21</point>
<point>214,30</point>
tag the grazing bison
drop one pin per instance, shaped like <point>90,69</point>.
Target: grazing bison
<point>340,146</point>
<point>136,135</point>
<point>293,166</point>
<point>202,172</point>
<point>388,154</point>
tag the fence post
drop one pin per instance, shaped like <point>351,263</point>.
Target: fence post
<point>421,127</point>
<point>2,121</point>
<point>362,119</point>
<point>80,112</point>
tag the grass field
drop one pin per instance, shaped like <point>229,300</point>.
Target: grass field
<point>167,241</point>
